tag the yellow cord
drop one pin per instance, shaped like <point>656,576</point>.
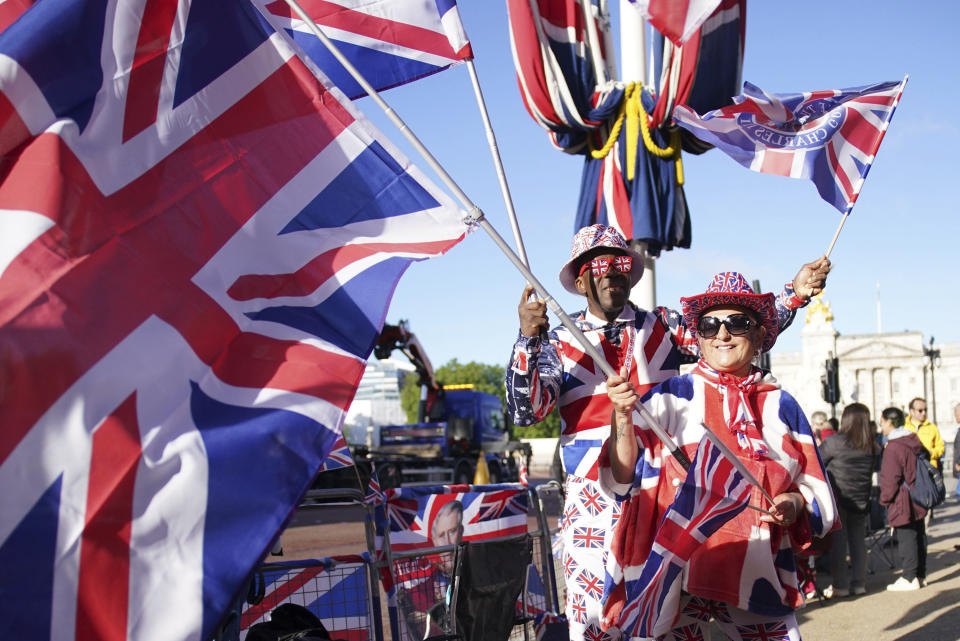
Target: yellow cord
<point>631,110</point>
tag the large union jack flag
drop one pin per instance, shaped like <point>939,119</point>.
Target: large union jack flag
<point>829,137</point>
<point>199,242</point>
<point>390,42</point>
<point>713,493</point>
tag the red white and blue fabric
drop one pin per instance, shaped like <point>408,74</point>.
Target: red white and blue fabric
<point>336,589</point>
<point>339,457</point>
<point>676,19</point>
<point>731,288</point>
<point>374,494</point>
<point>746,564</point>
<point>489,511</point>
<point>390,42</point>
<point>572,99</point>
<point>541,377</point>
<point>712,493</point>
<point>563,92</point>
<point>698,616</point>
<point>705,72</point>
<point>200,243</point>
<point>830,137</point>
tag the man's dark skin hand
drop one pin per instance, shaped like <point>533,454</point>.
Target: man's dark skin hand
<point>533,314</point>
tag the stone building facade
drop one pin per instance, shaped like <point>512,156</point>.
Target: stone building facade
<point>878,370</point>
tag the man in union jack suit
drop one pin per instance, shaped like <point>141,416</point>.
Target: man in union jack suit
<point>557,373</point>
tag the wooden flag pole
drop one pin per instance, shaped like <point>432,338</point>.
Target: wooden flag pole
<point>475,216</point>
<point>837,234</point>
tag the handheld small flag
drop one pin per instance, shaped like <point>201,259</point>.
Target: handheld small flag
<point>829,137</point>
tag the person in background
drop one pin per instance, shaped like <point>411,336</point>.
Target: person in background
<point>928,432</point>
<point>831,428</point>
<point>956,447</point>
<point>850,459</point>
<point>898,471</point>
<point>817,422</point>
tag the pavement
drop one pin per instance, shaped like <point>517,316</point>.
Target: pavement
<point>929,614</point>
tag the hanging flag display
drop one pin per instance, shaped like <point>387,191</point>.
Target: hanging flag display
<point>829,137</point>
<point>632,178</point>
<point>676,19</point>
<point>390,42</point>
<point>200,241</point>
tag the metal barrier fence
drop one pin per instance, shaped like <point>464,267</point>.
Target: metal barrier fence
<point>340,591</point>
<point>347,592</point>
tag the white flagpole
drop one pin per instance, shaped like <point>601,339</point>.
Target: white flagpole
<point>497,162</point>
<point>475,216</point>
<point>633,59</point>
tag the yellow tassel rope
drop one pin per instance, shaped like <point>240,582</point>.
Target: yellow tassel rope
<point>631,110</point>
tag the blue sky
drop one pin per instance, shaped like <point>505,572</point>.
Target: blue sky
<point>903,233</point>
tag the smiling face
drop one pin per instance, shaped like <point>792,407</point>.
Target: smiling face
<point>607,295</point>
<point>727,353</point>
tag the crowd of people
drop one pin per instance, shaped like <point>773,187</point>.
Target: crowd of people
<point>621,481</point>
<point>871,466</point>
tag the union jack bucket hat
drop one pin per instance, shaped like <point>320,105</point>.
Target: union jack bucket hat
<point>731,288</point>
<point>598,237</point>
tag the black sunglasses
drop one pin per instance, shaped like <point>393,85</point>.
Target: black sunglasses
<point>736,324</point>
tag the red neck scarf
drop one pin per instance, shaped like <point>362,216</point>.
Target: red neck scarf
<point>738,396</point>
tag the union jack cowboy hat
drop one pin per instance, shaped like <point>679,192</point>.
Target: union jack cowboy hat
<point>598,237</point>
<point>731,288</point>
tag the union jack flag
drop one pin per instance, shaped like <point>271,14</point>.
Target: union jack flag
<point>829,137</point>
<point>335,589</point>
<point>588,537</point>
<point>501,504</point>
<point>569,565</point>
<point>712,494</point>
<point>593,502</point>
<point>687,633</point>
<point>764,631</point>
<point>590,584</point>
<point>578,607</point>
<point>374,495</point>
<point>391,43</point>
<point>570,513</point>
<point>200,240</point>
<point>488,511</point>
<point>676,19</point>
<point>339,457</point>
<point>593,632</point>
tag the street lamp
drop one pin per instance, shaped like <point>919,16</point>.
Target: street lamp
<point>934,356</point>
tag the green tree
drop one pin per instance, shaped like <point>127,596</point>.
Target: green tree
<point>485,378</point>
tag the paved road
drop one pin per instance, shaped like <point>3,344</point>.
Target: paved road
<point>929,614</point>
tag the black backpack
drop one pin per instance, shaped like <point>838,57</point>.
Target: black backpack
<point>928,490</point>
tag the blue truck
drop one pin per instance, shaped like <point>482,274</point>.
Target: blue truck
<point>456,424</point>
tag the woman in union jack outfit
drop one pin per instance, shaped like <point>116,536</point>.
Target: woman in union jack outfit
<point>727,563</point>
<point>544,374</point>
